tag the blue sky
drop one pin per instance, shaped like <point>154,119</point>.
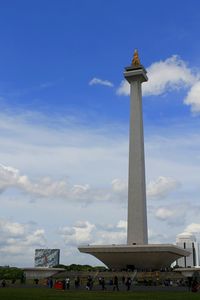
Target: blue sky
<point>51,49</point>
<point>64,121</point>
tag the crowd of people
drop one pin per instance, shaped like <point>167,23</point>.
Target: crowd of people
<point>100,282</point>
<point>115,283</point>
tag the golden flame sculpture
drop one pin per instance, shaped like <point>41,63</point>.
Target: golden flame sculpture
<point>136,60</point>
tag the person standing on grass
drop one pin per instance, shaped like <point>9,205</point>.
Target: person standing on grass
<point>63,284</point>
<point>103,284</point>
<point>128,283</point>
<point>50,283</point>
<point>115,284</point>
<point>77,282</point>
<point>89,284</point>
<point>3,283</point>
<point>67,280</point>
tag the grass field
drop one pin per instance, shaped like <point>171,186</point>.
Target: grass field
<point>47,294</point>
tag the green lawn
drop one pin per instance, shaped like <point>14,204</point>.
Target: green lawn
<point>47,294</point>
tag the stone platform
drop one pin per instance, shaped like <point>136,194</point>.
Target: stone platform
<point>188,272</point>
<point>150,256</point>
<point>41,272</point>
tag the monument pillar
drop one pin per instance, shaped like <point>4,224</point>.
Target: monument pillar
<point>137,213</point>
<point>137,252</point>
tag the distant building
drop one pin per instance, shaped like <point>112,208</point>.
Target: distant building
<point>47,257</point>
<point>188,242</point>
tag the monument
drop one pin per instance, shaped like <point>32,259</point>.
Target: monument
<point>137,252</point>
<point>137,212</point>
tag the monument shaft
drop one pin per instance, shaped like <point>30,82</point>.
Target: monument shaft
<point>137,253</point>
<point>137,214</point>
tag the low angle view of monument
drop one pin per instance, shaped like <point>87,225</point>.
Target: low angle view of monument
<point>137,253</point>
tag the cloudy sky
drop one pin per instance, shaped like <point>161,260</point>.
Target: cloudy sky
<point>64,122</point>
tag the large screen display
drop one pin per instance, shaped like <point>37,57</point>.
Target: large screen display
<point>47,257</point>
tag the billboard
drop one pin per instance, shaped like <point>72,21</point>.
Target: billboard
<point>47,257</point>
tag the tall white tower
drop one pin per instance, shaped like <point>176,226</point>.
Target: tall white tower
<point>137,214</point>
<point>137,253</point>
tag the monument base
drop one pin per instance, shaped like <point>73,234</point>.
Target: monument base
<point>188,272</point>
<point>150,256</point>
<point>41,272</point>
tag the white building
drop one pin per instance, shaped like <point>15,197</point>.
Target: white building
<point>188,242</point>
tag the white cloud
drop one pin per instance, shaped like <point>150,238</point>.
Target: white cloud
<point>80,233</point>
<point>92,158</point>
<point>85,232</point>
<point>49,188</point>
<point>19,240</point>
<point>161,187</point>
<point>115,234</point>
<point>36,238</point>
<point>80,189</point>
<point>95,81</point>
<point>158,188</point>
<point>11,229</point>
<point>124,88</point>
<point>122,224</point>
<point>11,177</point>
<point>74,148</point>
<point>156,237</point>
<point>193,228</point>
<point>8,177</point>
<point>111,237</point>
<point>164,213</point>
<point>193,98</point>
<point>119,185</point>
<point>170,74</point>
<point>61,189</point>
